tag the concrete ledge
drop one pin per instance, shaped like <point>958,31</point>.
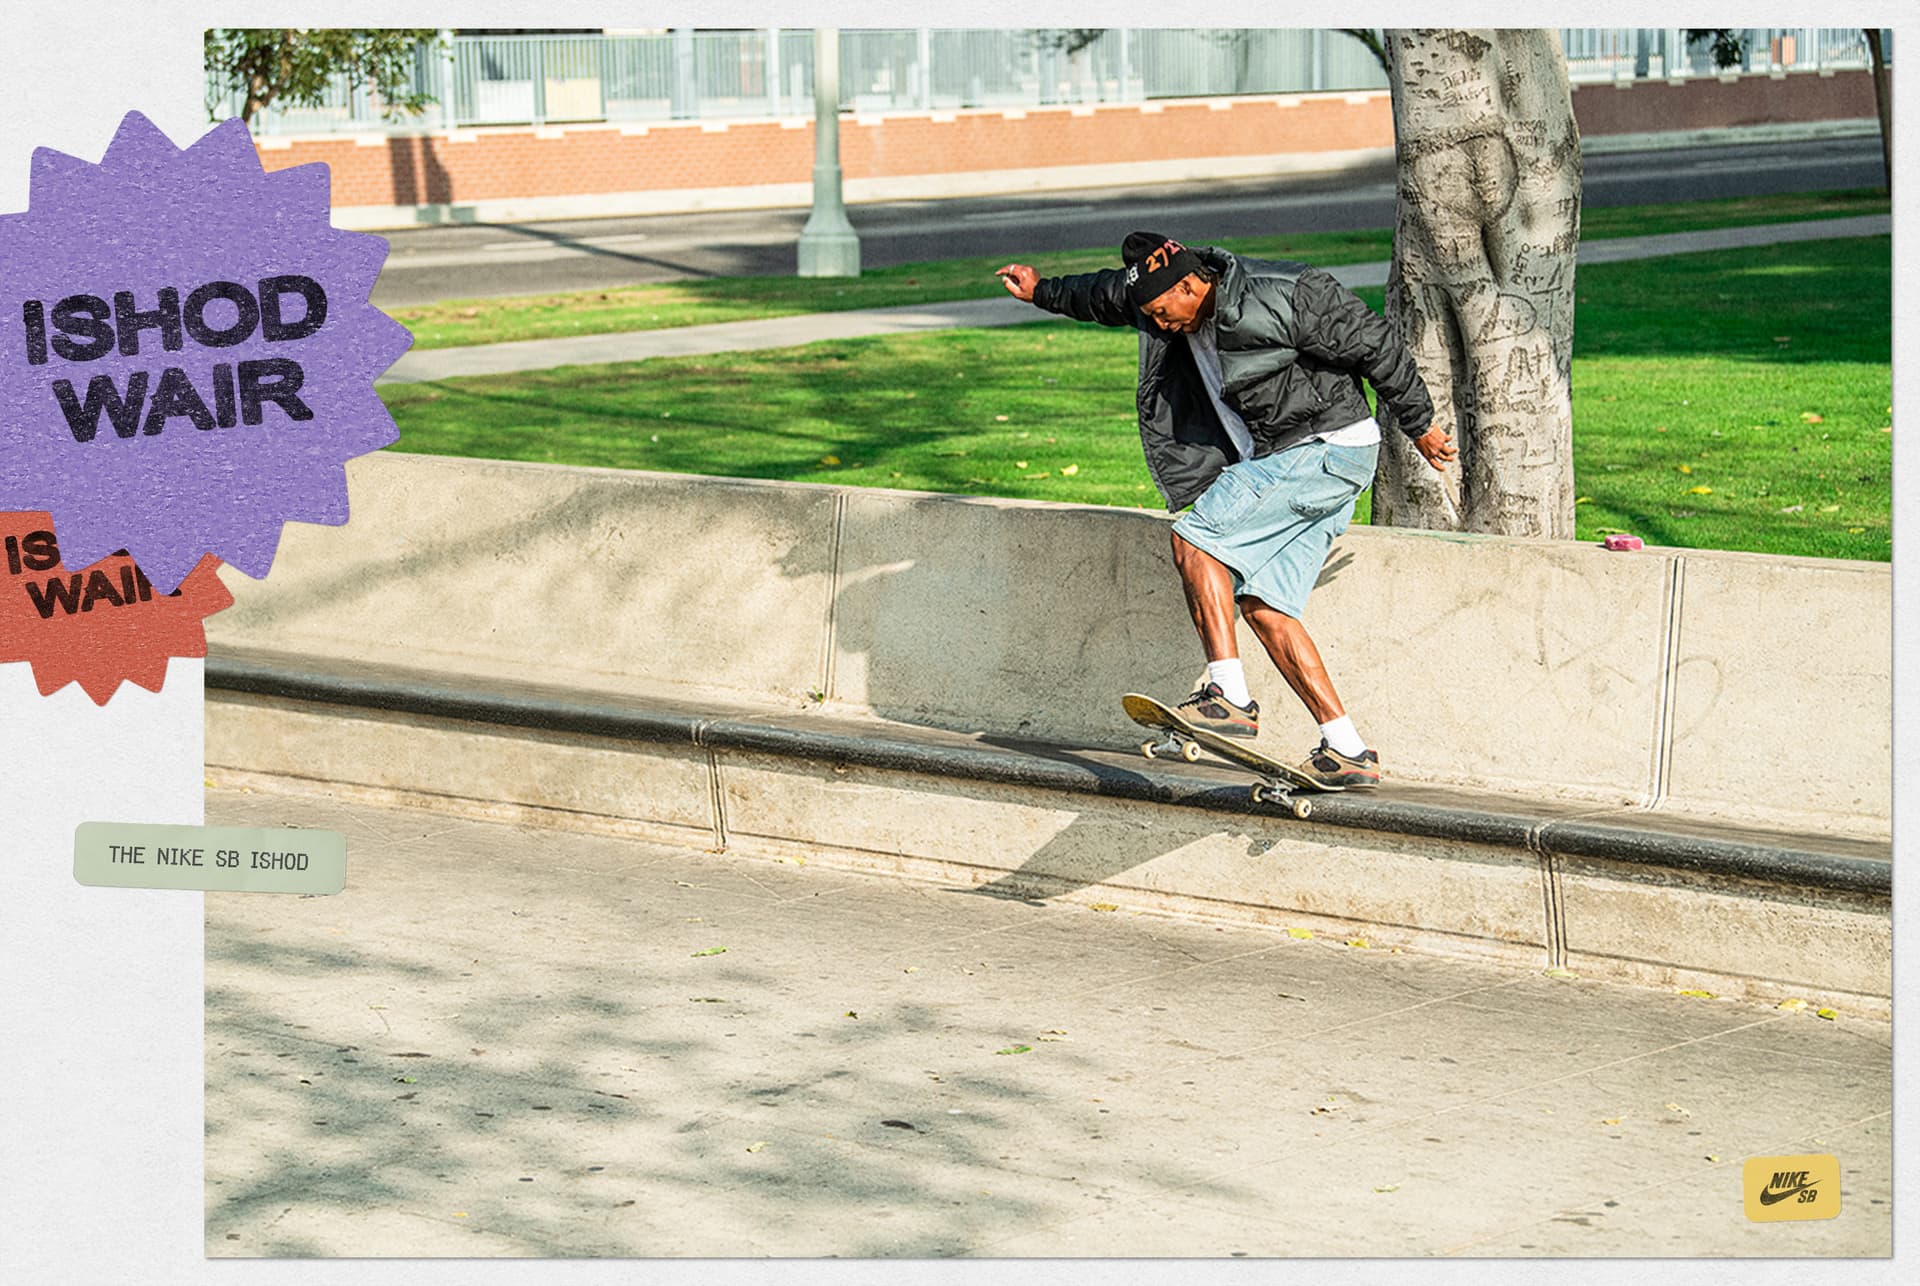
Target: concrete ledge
<point>1450,872</point>
<point>1550,669</point>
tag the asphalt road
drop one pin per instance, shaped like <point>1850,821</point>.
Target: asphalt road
<point>513,259</point>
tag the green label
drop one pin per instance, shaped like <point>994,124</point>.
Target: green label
<point>235,859</point>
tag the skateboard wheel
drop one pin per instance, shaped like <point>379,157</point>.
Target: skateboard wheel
<point>1302,809</point>
<point>1191,752</point>
<point>1259,793</point>
<point>1146,748</point>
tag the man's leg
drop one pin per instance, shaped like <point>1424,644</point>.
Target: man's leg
<point>1209,586</point>
<point>1343,759</point>
<point>1223,703</point>
<point>1296,657</point>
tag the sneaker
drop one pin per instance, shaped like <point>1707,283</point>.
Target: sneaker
<point>1335,771</point>
<point>1209,708</point>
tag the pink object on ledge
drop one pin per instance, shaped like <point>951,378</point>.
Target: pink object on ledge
<point>1620,541</point>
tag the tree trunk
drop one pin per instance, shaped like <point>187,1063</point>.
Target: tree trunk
<point>1481,285</point>
<point>1883,101</point>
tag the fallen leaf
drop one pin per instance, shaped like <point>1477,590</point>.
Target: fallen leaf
<point>1699,491</point>
<point>1325,1109</point>
<point>1812,418</point>
<point>1056,1031</point>
<point>852,1014</point>
<point>1015,1049</point>
<point>1105,906</point>
<point>406,1080</point>
<point>1070,470</point>
<point>1611,1120</point>
<point>1300,933</point>
<point>1692,991</point>
<point>1714,1159</point>
<point>1000,419</point>
<point>1040,475</point>
<point>1827,1014</point>
<point>1829,509</point>
<point>911,969</point>
<point>459,1214</point>
<point>1792,1006</point>
<point>1685,468</point>
<point>1358,943</point>
<point>1583,500</point>
<point>1676,1109</point>
<point>829,459</point>
<point>1387,1187</point>
<point>1019,464</point>
<point>755,1147</point>
<point>710,951</point>
<point>1855,531</point>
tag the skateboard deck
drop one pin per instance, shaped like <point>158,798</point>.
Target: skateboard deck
<point>1278,782</point>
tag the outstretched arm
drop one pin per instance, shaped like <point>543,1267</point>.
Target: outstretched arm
<point>1090,297</point>
<point>1337,326</point>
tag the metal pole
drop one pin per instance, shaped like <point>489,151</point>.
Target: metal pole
<point>773,71</point>
<point>686,95</point>
<point>448,118</point>
<point>829,246</point>
<point>926,69</point>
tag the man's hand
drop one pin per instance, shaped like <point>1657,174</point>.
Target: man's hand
<point>1437,447</point>
<point>1019,280</point>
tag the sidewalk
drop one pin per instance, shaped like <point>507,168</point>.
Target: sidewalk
<point>512,1041</point>
<point>807,328</point>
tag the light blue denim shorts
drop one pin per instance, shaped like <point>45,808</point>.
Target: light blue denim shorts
<point>1272,520</point>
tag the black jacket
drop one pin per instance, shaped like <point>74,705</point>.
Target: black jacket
<point>1293,345</point>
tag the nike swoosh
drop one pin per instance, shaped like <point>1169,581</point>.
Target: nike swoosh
<point>1768,1198</point>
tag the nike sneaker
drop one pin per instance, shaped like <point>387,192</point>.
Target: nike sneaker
<point>1209,708</point>
<point>1335,771</point>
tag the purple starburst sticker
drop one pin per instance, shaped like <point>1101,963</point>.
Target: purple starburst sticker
<point>187,352</point>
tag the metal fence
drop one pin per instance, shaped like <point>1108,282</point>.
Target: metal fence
<point>684,73</point>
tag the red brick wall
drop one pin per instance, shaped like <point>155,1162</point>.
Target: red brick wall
<point>1704,103</point>
<point>585,160</point>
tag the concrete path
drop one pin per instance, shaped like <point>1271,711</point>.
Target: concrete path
<point>508,1041</point>
<point>807,328</point>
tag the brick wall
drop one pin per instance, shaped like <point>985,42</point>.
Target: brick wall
<point>587,160</point>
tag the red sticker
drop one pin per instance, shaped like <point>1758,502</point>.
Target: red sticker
<point>102,625</point>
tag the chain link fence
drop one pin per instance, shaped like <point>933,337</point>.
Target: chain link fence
<point>684,74</point>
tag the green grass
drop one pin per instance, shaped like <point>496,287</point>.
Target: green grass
<point>1710,362</point>
<point>690,303</point>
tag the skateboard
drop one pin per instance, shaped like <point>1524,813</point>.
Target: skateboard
<point>1277,782</point>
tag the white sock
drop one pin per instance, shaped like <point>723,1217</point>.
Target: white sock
<point>1341,736</point>
<point>1232,678</point>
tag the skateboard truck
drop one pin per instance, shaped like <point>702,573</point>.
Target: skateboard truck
<point>1273,792</point>
<point>1172,744</point>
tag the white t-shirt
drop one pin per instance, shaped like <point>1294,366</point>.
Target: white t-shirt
<point>1206,356</point>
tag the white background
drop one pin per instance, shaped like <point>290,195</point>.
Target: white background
<point>100,1035</point>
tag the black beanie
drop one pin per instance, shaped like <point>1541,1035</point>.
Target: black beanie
<point>1155,264</point>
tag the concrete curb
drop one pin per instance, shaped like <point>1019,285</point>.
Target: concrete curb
<point>1045,767</point>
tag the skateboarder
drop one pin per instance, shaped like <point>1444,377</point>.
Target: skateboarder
<point>1251,410</point>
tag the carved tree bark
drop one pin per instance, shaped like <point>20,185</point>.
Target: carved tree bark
<point>1482,280</point>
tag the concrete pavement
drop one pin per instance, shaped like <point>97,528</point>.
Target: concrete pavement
<point>510,1041</point>
<point>782,332</point>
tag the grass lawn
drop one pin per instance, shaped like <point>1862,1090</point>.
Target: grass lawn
<point>458,322</point>
<point>1761,376</point>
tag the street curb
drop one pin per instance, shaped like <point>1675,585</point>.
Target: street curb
<point>1060,768</point>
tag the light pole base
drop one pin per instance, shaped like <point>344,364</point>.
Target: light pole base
<point>830,253</point>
